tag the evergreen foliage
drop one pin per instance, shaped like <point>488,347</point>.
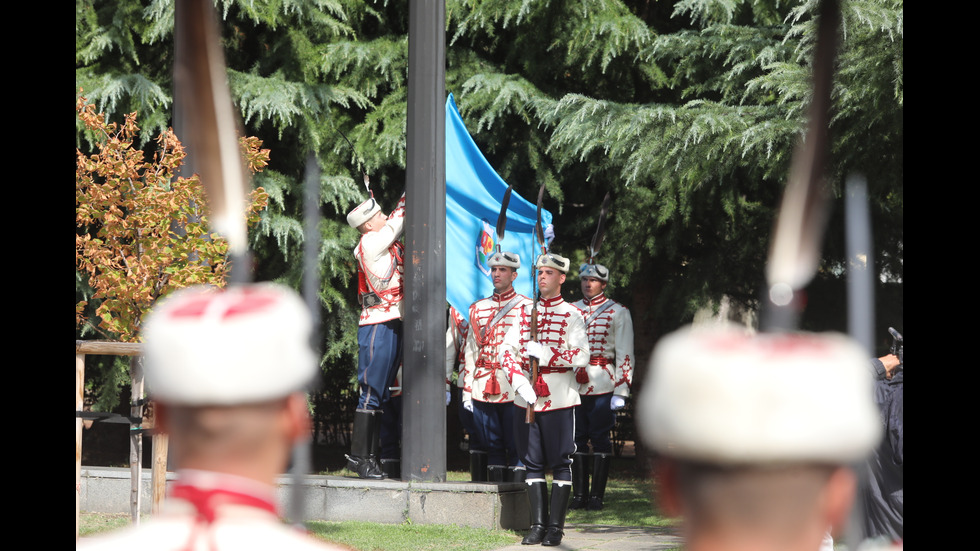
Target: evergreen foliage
<point>687,111</point>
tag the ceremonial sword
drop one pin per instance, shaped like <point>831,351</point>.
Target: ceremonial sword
<point>799,230</point>
<point>205,113</point>
<point>797,239</point>
<point>539,238</point>
<point>500,230</point>
<point>502,217</point>
<point>600,230</point>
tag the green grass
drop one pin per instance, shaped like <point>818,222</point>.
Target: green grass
<point>96,523</point>
<point>627,503</point>
<point>366,536</point>
<point>362,536</point>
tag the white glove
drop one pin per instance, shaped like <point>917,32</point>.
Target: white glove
<point>468,405</point>
<point>617,402</point>
<point>527,393</point>
<point>449,397</point>
<point>523,387</point>
<point>549,234</point>
<point>534,349</point>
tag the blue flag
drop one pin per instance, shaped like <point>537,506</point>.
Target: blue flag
<point>473,195</point>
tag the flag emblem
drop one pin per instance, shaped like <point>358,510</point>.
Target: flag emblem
<point>484,248</point>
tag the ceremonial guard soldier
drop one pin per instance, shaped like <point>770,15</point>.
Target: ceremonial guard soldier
<point>380,267</point>
<point>487,391</point>
<point>455,344</point>
<point>604,384</point>
<point>757,435</point>
<point>560,346</point>
<point>227,370</point>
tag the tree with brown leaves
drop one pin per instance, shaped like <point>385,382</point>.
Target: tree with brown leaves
<point>141,231</point>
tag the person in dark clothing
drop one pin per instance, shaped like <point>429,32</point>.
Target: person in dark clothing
<point>884,500</point>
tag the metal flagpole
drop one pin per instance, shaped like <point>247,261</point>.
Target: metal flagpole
<point>424,384</point>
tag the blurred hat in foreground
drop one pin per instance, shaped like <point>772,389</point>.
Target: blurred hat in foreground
<point>726,397</point>
<point>243,344</point>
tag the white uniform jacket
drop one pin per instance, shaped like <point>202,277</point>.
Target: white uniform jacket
<point>561,333</point>
<point>485,380</point>
<point>455,340</point>
<point>380,259</point>
<point>218,512</point>
<point>610,332</point>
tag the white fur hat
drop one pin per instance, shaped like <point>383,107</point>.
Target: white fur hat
<point>725,397</point>
<point>504,258</point>
<point>244,344</point>
<point>363,212</point>
<point>551,260</point>
<point>597,271</point>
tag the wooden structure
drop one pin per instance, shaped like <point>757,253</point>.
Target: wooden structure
<point>82,349</point>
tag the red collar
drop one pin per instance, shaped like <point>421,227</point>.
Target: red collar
<point>208,501</point>
<point>596,300</point>
<point>208,491</point>
<point>551,302</point>
<point>505,296</point>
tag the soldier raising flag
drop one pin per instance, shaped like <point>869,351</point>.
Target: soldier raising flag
<point>380,268</point>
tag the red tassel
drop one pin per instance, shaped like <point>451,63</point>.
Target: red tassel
<point>581,376</point>
<point>541,387</point>
<point>493,387</point>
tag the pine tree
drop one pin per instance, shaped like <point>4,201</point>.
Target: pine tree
<point>692,128</point>
<point>687,111</point>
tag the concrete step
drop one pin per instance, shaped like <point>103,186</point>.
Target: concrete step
<point>476,504</point>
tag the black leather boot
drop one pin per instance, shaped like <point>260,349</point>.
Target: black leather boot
<point>392,468</point>
<point>600,475</point>
<point>516,474</point>
<point>478,466</point>
<point>365,443</point>
<point>559,503</point>
<point>537,495</point>
<point>580,481</point>
<point>495,473</point>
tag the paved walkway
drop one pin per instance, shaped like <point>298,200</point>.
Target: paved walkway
<point>610,538</point>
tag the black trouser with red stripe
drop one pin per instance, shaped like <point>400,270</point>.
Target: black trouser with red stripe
<point>496,427</point>
<point>378,357</point>
<point>547,443</point>
<point>594,420</point>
